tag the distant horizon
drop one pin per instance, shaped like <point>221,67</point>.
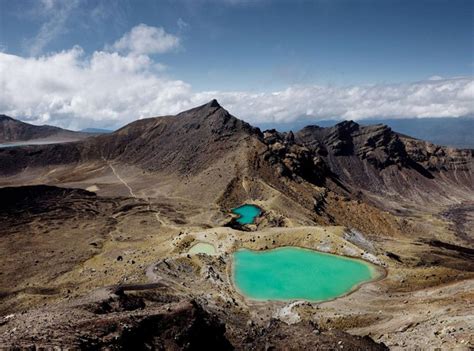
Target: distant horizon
<point>298,122</point>
<point>448,131</point>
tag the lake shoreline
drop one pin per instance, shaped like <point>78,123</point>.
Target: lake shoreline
<point>377,273</point>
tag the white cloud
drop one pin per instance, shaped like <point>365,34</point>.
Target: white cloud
<point>182,25</point>
<point>57,14</point>
<point>72,90</point>
<point>108,89</point>
<point>144,39</point>
<point>441,98</point>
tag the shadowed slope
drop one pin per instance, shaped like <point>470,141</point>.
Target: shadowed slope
<point>379,160</point>
<point>186,143</point>
<point>12,130</point>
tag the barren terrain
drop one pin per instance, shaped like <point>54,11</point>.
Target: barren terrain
<point>95,236</point>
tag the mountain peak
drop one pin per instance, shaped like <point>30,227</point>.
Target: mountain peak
<point>211,107</point>
<point>213,103</point>
<point>347,125</point>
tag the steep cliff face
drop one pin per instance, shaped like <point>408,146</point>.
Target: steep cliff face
<point>438,158</point>
<point>294,160</point>
<point>377,144</point>
<point>317,154</point>
<point>377,159</point>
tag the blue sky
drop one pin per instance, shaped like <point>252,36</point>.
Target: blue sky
<point>252,48</point>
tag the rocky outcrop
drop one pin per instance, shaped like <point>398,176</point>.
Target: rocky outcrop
<point>143,324</point>
<point>377,159</point>
<point>377,144</point>
<point>439,158</point>
<point>294,160</point>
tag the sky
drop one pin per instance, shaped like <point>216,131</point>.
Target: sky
<point>104,63</point>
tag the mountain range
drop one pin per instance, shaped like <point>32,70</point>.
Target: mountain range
<point>13,130</point>
<point>123,208</point>
<point>448,131</point>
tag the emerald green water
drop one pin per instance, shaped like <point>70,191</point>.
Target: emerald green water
<point>247,213</point>
<point>292,273</point>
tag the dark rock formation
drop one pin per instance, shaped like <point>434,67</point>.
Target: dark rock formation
<point>376,144</point>
<point>294,160</point>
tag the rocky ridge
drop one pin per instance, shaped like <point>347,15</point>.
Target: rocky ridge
<point>12,130</point>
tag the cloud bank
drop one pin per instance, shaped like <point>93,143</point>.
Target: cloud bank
<point>123,82</point>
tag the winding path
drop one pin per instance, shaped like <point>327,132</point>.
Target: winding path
<point>157,213</point>
<point>122,180</point>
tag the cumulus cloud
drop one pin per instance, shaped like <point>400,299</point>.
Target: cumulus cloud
<point>73,90</point>
<point>110,88</point>
<point>147,40</point>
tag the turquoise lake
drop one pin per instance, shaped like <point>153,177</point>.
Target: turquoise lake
<point>292,273</point>
<point>247,213</point>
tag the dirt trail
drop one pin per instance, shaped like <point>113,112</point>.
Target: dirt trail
<point>130,190</point>
<point>122,180</point>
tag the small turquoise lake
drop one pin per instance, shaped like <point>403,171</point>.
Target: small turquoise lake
<point>292,273</point>
<point>247,213</point>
